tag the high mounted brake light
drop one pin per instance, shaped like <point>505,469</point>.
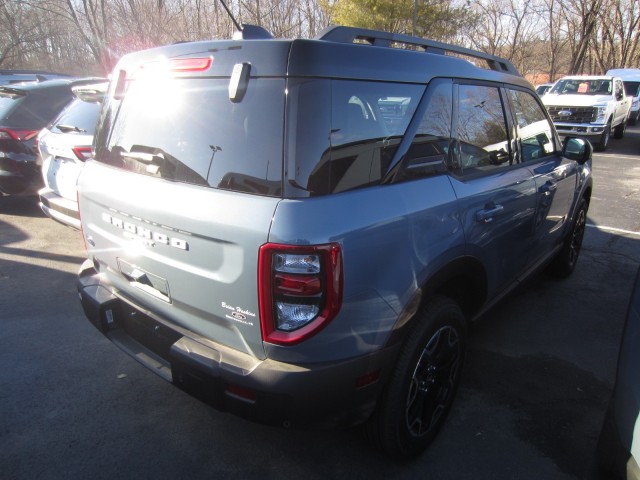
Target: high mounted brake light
<point>177,65</point>
<point>159,69</point>
<point>190,64</point>
<point>300,290</point>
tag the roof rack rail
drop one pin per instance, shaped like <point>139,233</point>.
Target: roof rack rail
<point>341,34</point>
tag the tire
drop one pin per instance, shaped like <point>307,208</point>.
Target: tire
<point>415,403</point>
<point>565,262</point>
<point>618,132</point>
<point>602,145</point>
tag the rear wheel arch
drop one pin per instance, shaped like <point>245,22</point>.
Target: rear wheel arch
<point>464,280</point>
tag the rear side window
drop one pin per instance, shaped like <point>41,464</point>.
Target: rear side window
<point>632,89</point>
<point>534,130</point>
<point>78,117</point>
<point>481,129</point>
<point>188,130</point>
<point>33,110</point>
<point>429,150</point>
<point>351,144</point>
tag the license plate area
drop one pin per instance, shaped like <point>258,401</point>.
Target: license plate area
<point>150,333</point>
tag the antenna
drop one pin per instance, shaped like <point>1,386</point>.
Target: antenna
<point>238,26</point>
<point>247,32</point>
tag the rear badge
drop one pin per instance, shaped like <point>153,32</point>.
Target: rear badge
<point>149,237</point>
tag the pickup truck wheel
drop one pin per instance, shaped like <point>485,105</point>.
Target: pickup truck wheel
<point>414,404</point>
<point>618,132</point>
<point>565,262</point>
<point>602,145</point>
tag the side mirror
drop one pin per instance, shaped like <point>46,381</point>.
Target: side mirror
<point>577,149</point>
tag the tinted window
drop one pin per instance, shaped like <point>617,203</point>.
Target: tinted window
<point>33,110</point>
<point>481,129</point>
<point>78,117</point>
<point>534,130</point>
<point>187,130</point>
<point>351,144</point>
<point>631,88</point>
<point>430,147</point>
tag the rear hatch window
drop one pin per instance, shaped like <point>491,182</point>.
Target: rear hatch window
<point>79,117</point>
<point>33,110</point>
<point>188,130</point>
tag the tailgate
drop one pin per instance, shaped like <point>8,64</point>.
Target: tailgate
<point>185,252</point>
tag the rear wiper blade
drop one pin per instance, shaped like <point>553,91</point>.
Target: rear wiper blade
<point>70,128</point>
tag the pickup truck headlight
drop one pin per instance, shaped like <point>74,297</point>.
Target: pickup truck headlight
<point>601,112</point>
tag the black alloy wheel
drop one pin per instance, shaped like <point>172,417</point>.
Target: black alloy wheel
<point>417,398</point>
<point>565,262</point>
<point>434,381</point>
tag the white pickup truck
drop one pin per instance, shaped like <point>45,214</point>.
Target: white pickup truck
<point>590,107</point>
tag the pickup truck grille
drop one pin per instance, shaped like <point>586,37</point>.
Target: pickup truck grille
<point>577,114</point>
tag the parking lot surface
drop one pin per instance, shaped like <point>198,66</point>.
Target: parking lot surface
<point>533,395</point>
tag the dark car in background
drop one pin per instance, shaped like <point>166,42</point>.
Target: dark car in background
<point>19,76</point>
<point>25,109</point>
<point>64,147</point>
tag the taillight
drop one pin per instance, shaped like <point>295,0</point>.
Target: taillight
<point>300,290</point>
<point>83,153</point>
<point>9,134</point>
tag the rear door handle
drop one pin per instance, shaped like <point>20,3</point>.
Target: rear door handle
<point>486,215</point>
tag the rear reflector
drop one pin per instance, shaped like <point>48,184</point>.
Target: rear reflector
<point>241,393</point>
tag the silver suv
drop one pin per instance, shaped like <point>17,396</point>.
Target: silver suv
<point>300,231</point>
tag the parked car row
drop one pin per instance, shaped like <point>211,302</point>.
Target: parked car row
<point>289,309</point>
<point>33,112</point>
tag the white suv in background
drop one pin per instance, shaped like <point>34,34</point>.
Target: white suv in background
<point>631,79</point>
<point>64,146</point>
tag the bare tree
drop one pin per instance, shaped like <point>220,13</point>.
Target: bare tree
<point>618,35</point>
<point>556,42</point>
<point>581,19</point>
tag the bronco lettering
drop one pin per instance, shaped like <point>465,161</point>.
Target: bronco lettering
<point>145,233</point>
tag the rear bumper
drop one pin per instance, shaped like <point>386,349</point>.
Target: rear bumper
<point>261,390</point>
<point>59,208</point>
<point>21,175</point>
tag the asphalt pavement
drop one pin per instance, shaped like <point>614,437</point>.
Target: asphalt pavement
<point>533,394</point>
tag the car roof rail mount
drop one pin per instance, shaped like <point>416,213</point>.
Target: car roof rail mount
<point>342,34</point>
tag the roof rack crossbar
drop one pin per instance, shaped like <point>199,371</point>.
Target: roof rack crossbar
<point>341,34</point>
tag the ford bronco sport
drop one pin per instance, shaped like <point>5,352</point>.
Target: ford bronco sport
<point>299,231</point>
